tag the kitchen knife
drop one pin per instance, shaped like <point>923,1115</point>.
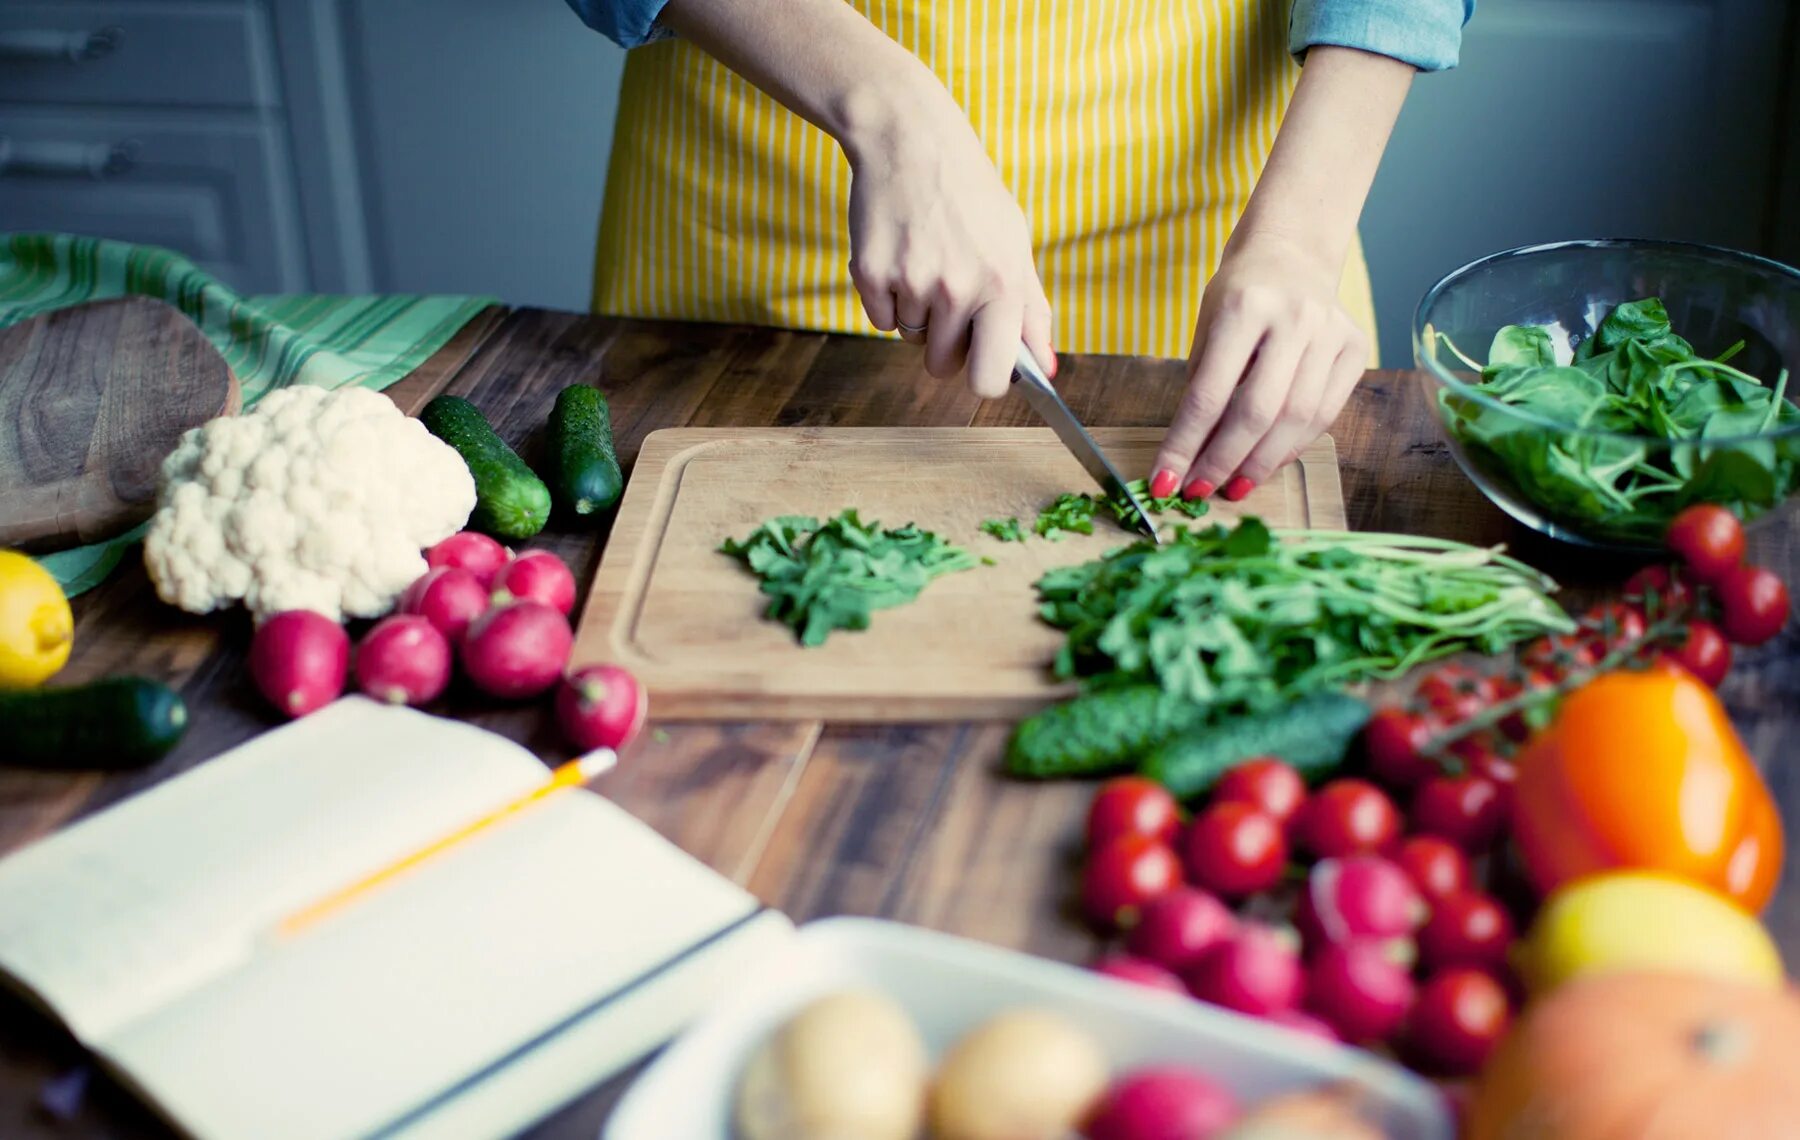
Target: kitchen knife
<point>1043,399</point>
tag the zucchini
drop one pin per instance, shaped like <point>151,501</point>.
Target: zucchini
<point>111,724</point>
<point>1313,733</point>
<point>510,500</point>
<point>1098,732</point>
<point>584,473</point>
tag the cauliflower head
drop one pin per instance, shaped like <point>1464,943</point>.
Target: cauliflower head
<point>316,499</point>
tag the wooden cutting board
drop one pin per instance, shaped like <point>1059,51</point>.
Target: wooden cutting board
<point>687,619</point>
<point>92,398</point>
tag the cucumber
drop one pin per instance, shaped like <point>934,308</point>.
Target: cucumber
<point>1098,732</point>
<point>1313,733</point>
<point>112,724</point>
<point>510,500</point>
<point>584,474</point>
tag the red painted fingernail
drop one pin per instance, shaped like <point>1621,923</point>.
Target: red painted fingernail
<point>1198,489</point>
<point>1163,485</point>
<point>1238,488</point>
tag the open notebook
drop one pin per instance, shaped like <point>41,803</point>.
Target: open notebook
<point>465,999</point>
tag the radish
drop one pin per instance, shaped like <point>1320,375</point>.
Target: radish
<point>600,706</point>
<point>1255,971</point>
<point>1139,972</point>
<point>538,575</point>
<point>471,551</point>
<point>1302,1022</point>
<point>298,660</point>
<point>403,660</point>
<point>1360,988</point>
<point>1175,929</point>
<point>1163,1103</point>
<point>448,597</point>
<point>1359,896</point>
<point>516,650</point>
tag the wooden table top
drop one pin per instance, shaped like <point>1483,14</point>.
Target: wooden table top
<point>904,822</point>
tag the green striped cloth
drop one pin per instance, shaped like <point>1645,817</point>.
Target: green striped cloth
<point>269,341</point>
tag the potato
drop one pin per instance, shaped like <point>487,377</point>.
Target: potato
<point>849,1066</point>
<point>1025,1074</point>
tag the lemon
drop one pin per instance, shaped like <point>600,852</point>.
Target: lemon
<point>36,628</point>
<point>1644,920</point>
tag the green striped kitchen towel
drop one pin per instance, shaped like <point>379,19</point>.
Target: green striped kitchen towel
<point>269,341</point>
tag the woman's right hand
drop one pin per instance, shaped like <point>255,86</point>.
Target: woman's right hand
<point>939,244</point>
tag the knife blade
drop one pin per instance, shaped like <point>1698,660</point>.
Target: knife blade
<point>1042,396</point>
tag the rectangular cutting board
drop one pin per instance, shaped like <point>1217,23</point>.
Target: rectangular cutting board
<point>688,622</point>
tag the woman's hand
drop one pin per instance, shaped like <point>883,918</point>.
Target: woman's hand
<point>1275,357</point>
<point>939,247</point>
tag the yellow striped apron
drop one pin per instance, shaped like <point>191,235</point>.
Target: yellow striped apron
<point>1131,132</point>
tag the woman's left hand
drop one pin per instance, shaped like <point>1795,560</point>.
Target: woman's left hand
<point>1275,357</point>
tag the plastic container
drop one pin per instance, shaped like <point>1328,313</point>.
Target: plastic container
<point>951,984</point>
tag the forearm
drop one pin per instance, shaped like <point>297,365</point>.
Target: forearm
<point>1312,190</point>
<point>822,60</point>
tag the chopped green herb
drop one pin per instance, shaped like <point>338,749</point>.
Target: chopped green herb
<point>1074,512</point>
<point>660,735</point>
<point>1006,530</point>
<point>833,575</point>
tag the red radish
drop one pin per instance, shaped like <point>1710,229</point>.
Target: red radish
<point>1466,929</point>
<point>1265,782</point>
<point>1235,849</point>
<point>1257,971</point>
<point>1436,866</point>
<point>299,660</point>
<point>516,650</point>
<point>1460,1016</point>
<point>472,551</point>
<point>1163,1103</point>
<point>1139,972</point>
<point>1359,989</point>
<point>1175,929</point>
<point>1124,875</point>
<point>1132,805</point>
<point>403,660</point>
<point>600,706</point>
<point>448,597</point>
<point>1361,896</point>
<point>540,576</point>
<point>1301,1021</point>
<point>1347,817</point>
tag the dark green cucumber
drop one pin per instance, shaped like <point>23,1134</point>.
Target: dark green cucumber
<point>584,473</point>
<point>1098,732</point>
<point>510,500</point>
<point>116,723</point>
<point>1313,733</point>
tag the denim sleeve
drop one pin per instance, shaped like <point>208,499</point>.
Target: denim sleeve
<point>1424,33</point>
<point>627,23</point>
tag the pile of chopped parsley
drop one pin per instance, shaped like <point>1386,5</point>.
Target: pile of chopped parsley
<point>1073,513</point>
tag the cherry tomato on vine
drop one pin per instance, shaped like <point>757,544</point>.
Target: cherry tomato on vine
<point>1659,590</point>
<point>1755,604</point>
<point>1456,692</point>
<point>1394,740</point>
<point>1611,625</point>
<point>1559,655</point>
<point>1466,929</point>
<point>1123,875</point>
<point>1704,652</point>
<point>1235,849</point>
<point>1347,817</point>
<point>1266,782</point>
<point>1709,539</point>
<point>1516,726</point>
<point>1132,805</point>
<point>1467,810</point>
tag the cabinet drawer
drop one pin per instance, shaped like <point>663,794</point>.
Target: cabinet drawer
<point>138,53</point>
<point>216,192</point>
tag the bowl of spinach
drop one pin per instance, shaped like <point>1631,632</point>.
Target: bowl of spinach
<point>1593,389</point>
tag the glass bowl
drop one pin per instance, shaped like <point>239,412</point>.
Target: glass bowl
<point>1554,459</point>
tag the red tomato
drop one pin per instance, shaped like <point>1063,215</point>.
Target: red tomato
<point>1755,602</point>
<point>1347,817</point>
<point>1709,539</point>
<point>1436,866</point>
<point>1611,625</point>
<point>1516,726</point>
<point>1457,1019</point>
<point>1466,929</point>
<point>1132,805</point>
<point>1235,849</point>
<point>1394,739</point>
<point>1704,652</point>
<point>1556,657</point>
<point>1123,875</point>
<point>1266,783</point>
<point>1467,810</point>
<point>1456,692</point>
<point>1659,590</point>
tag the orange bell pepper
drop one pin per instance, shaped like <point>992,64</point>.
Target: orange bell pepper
<point>1644,770</point>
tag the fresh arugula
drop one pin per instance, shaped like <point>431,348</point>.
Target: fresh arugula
<point>1635,379</point>
<point>1006,530</point>
<point>834,575</point>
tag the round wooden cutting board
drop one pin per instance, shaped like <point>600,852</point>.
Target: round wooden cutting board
<point>92,398</point>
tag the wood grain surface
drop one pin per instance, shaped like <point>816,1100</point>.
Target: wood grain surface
<point>909,822</point>
<point>687,620</point>
<point>91,398</point>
